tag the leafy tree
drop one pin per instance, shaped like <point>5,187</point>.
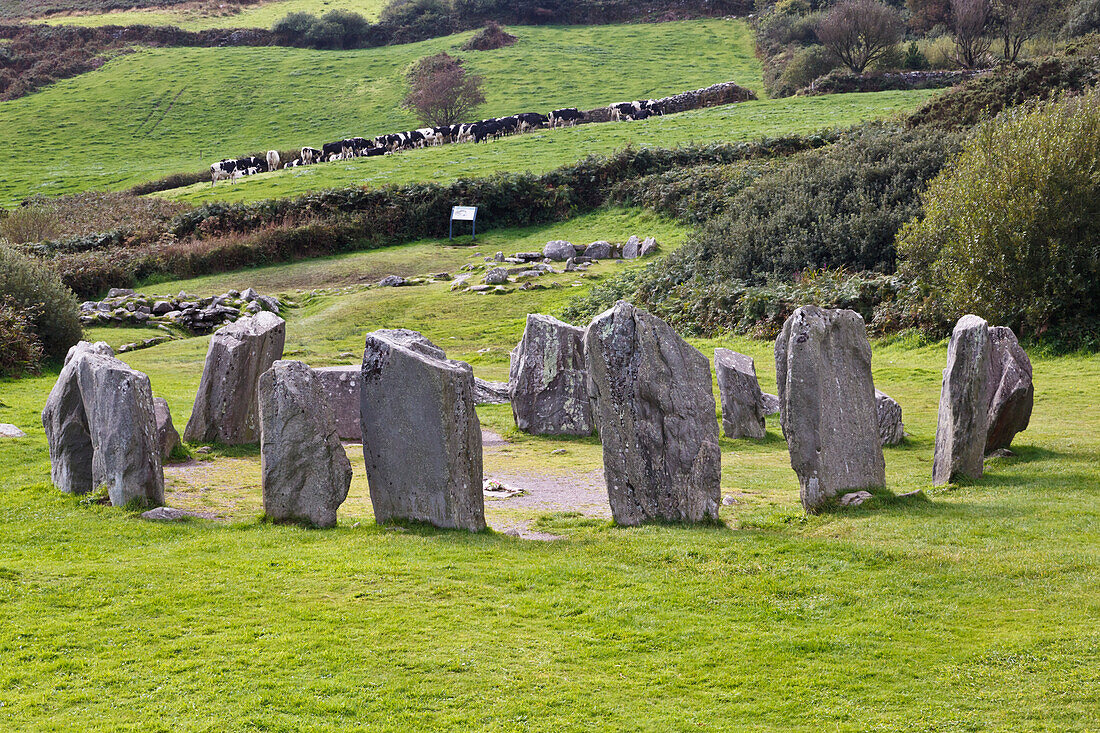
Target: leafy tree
<point>859,31</point>
<point>970,22</point>
<point>1016,21</point>
<point>441,92</point>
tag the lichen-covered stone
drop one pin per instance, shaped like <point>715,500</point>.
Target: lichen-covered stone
<point>559,250</point>
<point>1011,391</point>
<point>963,420</point>
<point>891,430</point>
<point>549,379</point>
<point>742,400</point>
<point>341,388</point>
<point>167,437</point>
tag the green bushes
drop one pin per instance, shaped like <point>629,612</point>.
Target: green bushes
<point>22,351</point>
<point>1011,231</point>
<point>34,288</point>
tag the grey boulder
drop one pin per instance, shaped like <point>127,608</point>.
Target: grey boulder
<point>491,393</point>
<point>742,400</point>
<point>891,430</point>
<point>167,437</point>
<point>633,248</point>
<point>305,472</point>
<point>648,247</point>
<point>421,434</point>
<point>827,404</point>
<point>655,412</point>
<point>769,403</point>
<point>341,387</point>
<point>599,250</point>
<point>1011,392</point>
<point>496,276</point>
<point>549,379</point>
<point>225,406</point>
<point>559,250</point>
<point>963,421</point>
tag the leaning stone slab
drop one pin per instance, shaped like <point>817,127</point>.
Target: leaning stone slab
<point>891,430</point>
<point>549,379</point>
<point>305,472</point>
<point>742,401</point>
<point>341,387</point>
<point>963,421</point>
<point>225,406</point>
<point>1011,391</point>
<point>827,404</point>
<point>167,437</point>
<point>421,434</point>
<point>655,412</point>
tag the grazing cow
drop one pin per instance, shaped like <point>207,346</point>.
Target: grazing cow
<point>223,169</point>
<point>332,151</point>
<point>562,117</point>
<point>310,155</point>
<point>507,125</point>
<point>530,121</point>
<point>294,163</point>
<point>374,151</point>
<point>273,160</point>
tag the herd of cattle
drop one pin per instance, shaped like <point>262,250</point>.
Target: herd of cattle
<point>359,147</point>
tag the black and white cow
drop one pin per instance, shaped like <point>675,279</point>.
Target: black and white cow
<point>222,170</point>
<point>569,116</point>
<point>531,121</point>
<point>332,151</point>
<point>310,155</point>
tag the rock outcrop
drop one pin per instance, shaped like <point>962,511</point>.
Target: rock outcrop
<point>549,379</point>
<point>963,421</point>
<point>891,430</point>
<point>225,406</point>
<point>827,404</point>
<point>742,401</point>
<point>655,412</point>
<point>305,472</point>
<point>421,434</point>
<point>1011,391</point>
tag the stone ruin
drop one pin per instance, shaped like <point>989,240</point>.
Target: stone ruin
<point>101,428</point>
<point>549,379</point>
<point>655,412</point>
<point>421,434</point>
<point>305,472</point>
<point>827,404</point>
<point>123,306</point>
<point>225,406</point>
<point>743,407</point>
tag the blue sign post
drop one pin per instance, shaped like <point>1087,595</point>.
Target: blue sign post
<point>463,213</point>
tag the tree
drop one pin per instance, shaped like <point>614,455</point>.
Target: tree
<point>859,31</point>
<point>441,92</point>
<point>1017,21</point>
<point>970,20</point>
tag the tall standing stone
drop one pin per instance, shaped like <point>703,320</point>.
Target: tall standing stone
<point>67,429</point>
<point>549,380</point>
<point>305,472</point>
<point>827,404</point>
<point>225,406</point>
<point>1011,391</point>
<point>742,401</point>
<point>963,419</point>
<point>891,429</point>
<point>167,437</point>
<point>655,412</point>
<point>421,434</point>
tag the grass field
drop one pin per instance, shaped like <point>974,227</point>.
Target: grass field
<point>161,111</point>
<point>972,608</point>
<point>262,15</point>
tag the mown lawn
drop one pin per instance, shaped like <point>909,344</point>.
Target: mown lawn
<point>260,15</point>
<point>973,608</point>
<point>161,111</point>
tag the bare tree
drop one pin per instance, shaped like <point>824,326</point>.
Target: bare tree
<point>441,92</point>
<point>859,31</point>
<point>970,21</point>
<point>1017,21</point>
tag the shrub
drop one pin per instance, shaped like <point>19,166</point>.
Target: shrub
<point>37,290</point>
<point>804,66</point>
<point>914,59</point>
<point>28,224</point>
<point>22,351</point>
<point>859,31</point>
<point>1011,231</point>
<point>1081,18</point>
<point>491,37</point>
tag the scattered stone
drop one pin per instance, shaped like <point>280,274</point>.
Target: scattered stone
<point>460,281</point>
<point>392,281</point>
<point>910,494</point>
<point>769,403</point>
<point>558,452</point>
<point>491,393</point>
<point>480,288</point>
<point>963,422</point>
<point>168,514</point>
<point>196,315</point>
<point>305,472</point>
<point>827,398</point>
<point>855,498</point>
<point>204,450</point>
<point>499,257</point>
<point>570,265</point>
<point>1012,393</point>
<point>742,403</point>
<point>119,292</point>
<point>341,387</point>
<point>728,500</point>
<point>1000,453</point>
<point>528,256</point>
<point>559,250</point>
<point>444,276</point>
<point>225,407</point>
<point>497,490</point>
<point>632,248</point>
<point>598,250</point>
<point>549,379</point>
<point>496,276</point>
<point>7,430</point>
<point>421,434</point>
<point>890,427</point>
<point>649,246</point>
<point>655,413</point>
<point>167,437</point>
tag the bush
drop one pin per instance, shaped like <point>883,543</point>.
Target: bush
<point>28,224</point>
<point>1011,232</point>
<point>22,350</point>
<point>489,38</point>
<point>339,29</point>
<point>35,288</point>
<point>1081,18</point>
<point>804,66</point>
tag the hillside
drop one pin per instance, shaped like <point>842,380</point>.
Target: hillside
<point>200,16</point>
<point>161,111</point>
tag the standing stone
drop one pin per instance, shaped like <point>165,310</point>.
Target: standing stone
<point>655,412</point>
<point>167,437</point>
<point>305,472</point>
<point>632,248</point>
<point>742,400</point>
<point>1012,393</point>
<point>963,421</point>
<point>421,434</point>
<point>827,404</point>
<point>648,247</point>
<point>225,406</point>
<point>67,430</point>
<point>550,380</point>
<point>341,387</point>
<point>891,430</point>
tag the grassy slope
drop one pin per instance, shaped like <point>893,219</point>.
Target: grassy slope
<point>973,610</point>
<point>161,111</point>
<point>255,16</point>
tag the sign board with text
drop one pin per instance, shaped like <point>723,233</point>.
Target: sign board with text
<point>463,213</point>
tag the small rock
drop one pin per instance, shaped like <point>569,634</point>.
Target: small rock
<point>855,498</point>
<point>392,281</point>
<point>496,276</point>
<point>119,292</point>
<point>167,514</point>
<point>1000,453</point>
<point>499,257</point>
<point>249,295</point>
<point>7,430</point>
<point>910,494</point>
<point>204,449</point>
<point>570,265</point>
<point>649,246</point>
<point>558,452</point>
<point>728,500</point>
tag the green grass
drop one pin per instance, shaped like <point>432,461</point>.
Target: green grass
<point>161,111</point>
<point>262,15</point>
<point>973,609</point>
